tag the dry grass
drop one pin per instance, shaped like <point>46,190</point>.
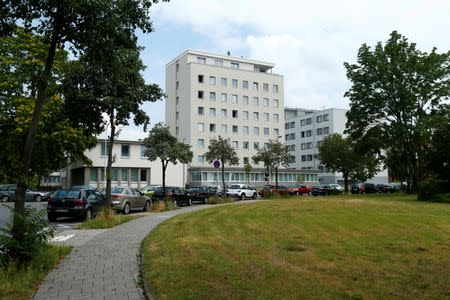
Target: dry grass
<point>106,218</point>
<point>368,247</point>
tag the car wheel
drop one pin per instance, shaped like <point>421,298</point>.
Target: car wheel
<point>254,196</point>
<point>147,206</point>
<point>126,208</point>
<point>5,198</point>
<point>38,198</point>
<point>242,196</point>
<point>51,218</point>
<point>189,202</point>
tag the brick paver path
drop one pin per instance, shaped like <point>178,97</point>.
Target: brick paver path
<point>105,267</point>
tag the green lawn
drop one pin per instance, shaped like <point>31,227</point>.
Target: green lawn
<point>335,247</point>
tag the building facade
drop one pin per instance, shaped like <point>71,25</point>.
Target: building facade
<point>305,130</point>
<point>239,99</point>
<point>130,168</point>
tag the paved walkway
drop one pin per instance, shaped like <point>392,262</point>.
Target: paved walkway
<point>106,265</point>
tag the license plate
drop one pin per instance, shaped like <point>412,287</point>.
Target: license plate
<point>62,210</point>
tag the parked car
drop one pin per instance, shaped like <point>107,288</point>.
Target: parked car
<point>324,190</point>
<point>364,188</point>
<point>241,191</point>
<point>76,202</point>
<point>202,193</point>
<point>272,189</point>
<point>299,190</point>
<point>173,193</point>
<point>149,189</point>
<point>8,193</point>
<point>125,199</point>
<point>336,186</point>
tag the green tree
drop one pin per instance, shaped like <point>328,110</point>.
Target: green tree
<point>394,89</point>
<point>341,155</point>
<point>274,156</point>
<point>80,26</point>
<point>221,150</point>
<point>247,169</point>
<point>161,144</point>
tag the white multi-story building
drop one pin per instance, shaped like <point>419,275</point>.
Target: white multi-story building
<point>130,168</point>
<point>306,129</point>
<point>239,99</point>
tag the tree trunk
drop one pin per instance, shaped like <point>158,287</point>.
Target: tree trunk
<point>27,151</point>
<point>276,178</point>
<point>345,174</point>
<point>223,179</point>
<point>110,157</point>
<point>164,166</point>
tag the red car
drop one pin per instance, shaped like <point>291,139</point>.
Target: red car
<point>281,190</point>
<point>300,190</point>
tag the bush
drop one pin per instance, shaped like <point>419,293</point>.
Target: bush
<point>170,205</point>
<point>106,218</point>
<point>220,200</point>
<point>434,190</point>
<point>27,239</point>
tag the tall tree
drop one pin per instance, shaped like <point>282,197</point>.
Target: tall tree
<point>394,89</point>
<point>221,150</point>
<point>80,25</point>
<point>161,144</point>
<point>340,155</point>
<point>274,155</point>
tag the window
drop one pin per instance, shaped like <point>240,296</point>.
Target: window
<point>134,175</point>
<point>234,98</point>
<point>275,88</point>
<point>309,145</point>
<point>256,116</point>
<point>293,124</point>
<point>143,148</point>
<point>103,149</point>
<point>200,94</point>
<point>255,86</point>
<point>223,128</point>
<point>235,129</point>
<point>212,96</point>
<point>234,144</point>
<point>303,146</point>
<point>287,137</point>
<point>326,130</point>
<point>302,122</point>
<point>319,143</point>
<point>200,159</point>
<point>319,131</point>
<point>93,174</point>
<point>235,65</point>
<point>212,127</point>
<point>245,115</point>
<point>245,145</point>
<point>287,126</point>
<point>308,133</point>
<point>124,174</point>
<point>325,117</point>
<point>292,148</point>
<point>255,101</point>
<point>223,82</point>
<point>125,151</point>
<point>266,117</point>
<point>308,121</point>
<point>293,136</point>
<point>223,113</point>
<point>245,84</point>
<point>276,118</point>
<point>234,83</point>
<point>275,103</point>
<point>177,85</point>
<point>256,131</point>
<point>245,130</point>
<point>234,114</point>
<point>266,102</point>
<point>265,87</point>
<point>309,157</point>
<point>201,143</point>
<point>223,97</point>
<point>200,78</point>
<point>212,112</point>
<point>212,80</point>
<point>201,60</point>
<point>303,157</point>
<point>244,99</point>
<point>302,134</point>
<point>143,175</point>
<point>276,132</point>
<point>219,62</point>
<point>201,110</point>
<point>256,145</point>
<point>266,131</point>
<point>246,160</point>
<point>177,100</point>
<point>201,127</point>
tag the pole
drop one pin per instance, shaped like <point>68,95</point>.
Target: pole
<point>106,152</point>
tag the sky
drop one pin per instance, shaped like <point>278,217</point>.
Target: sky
<point>308,41</point>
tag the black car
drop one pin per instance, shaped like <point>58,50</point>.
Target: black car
<point>365,188</point>
<point>201,193</point>
<point>173,193</point>
<point>324,190</point>
<point>77,202</point>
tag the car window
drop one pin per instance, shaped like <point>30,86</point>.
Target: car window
<point>136,192</point>
<point>234,187</point>
<point>67,194</point>
<point>127,192</point>
<point>117,190</point>
<point>98,196</point>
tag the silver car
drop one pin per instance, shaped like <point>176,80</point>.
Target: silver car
<point>8,193</point>
<point>125,199</point>
<point>241,191</point>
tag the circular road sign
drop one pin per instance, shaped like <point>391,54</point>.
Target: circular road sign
<point>216,164</point>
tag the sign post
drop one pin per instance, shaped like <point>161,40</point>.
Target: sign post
<point>216,165</point>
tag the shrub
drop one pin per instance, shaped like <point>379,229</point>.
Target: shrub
<point>106,218</point>
<point>170,205</point>
<point>220,200</point>
<point>27,239</point>
<point>434,190</point>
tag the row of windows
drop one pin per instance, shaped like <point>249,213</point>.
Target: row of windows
<point>241,176</point>
<point>308,157</point>
<point>308,133</point>
<point>235,114</point>
<point>234,144</point>
<point>124,150</point>
<point>201,160</point>
<point>235,129</point>
<point>235,83</point>
<point>235,99</point>
<point>217,62</point>
<point>308,121</point>
<point>119,174</point>
<point>289,125</point>
<point>290,136</point>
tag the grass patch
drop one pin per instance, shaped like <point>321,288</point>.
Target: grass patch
<point>348,246</point>
<point>20,283</point>
<point>106,219</point>
<point>220,200</point>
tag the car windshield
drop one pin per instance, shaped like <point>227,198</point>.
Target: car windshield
<point>67,194</point>
<point>235,187</point>
<point>117,190</point>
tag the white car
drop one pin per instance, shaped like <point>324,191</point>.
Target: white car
<point>336,186</point>
<point>241,191</point>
